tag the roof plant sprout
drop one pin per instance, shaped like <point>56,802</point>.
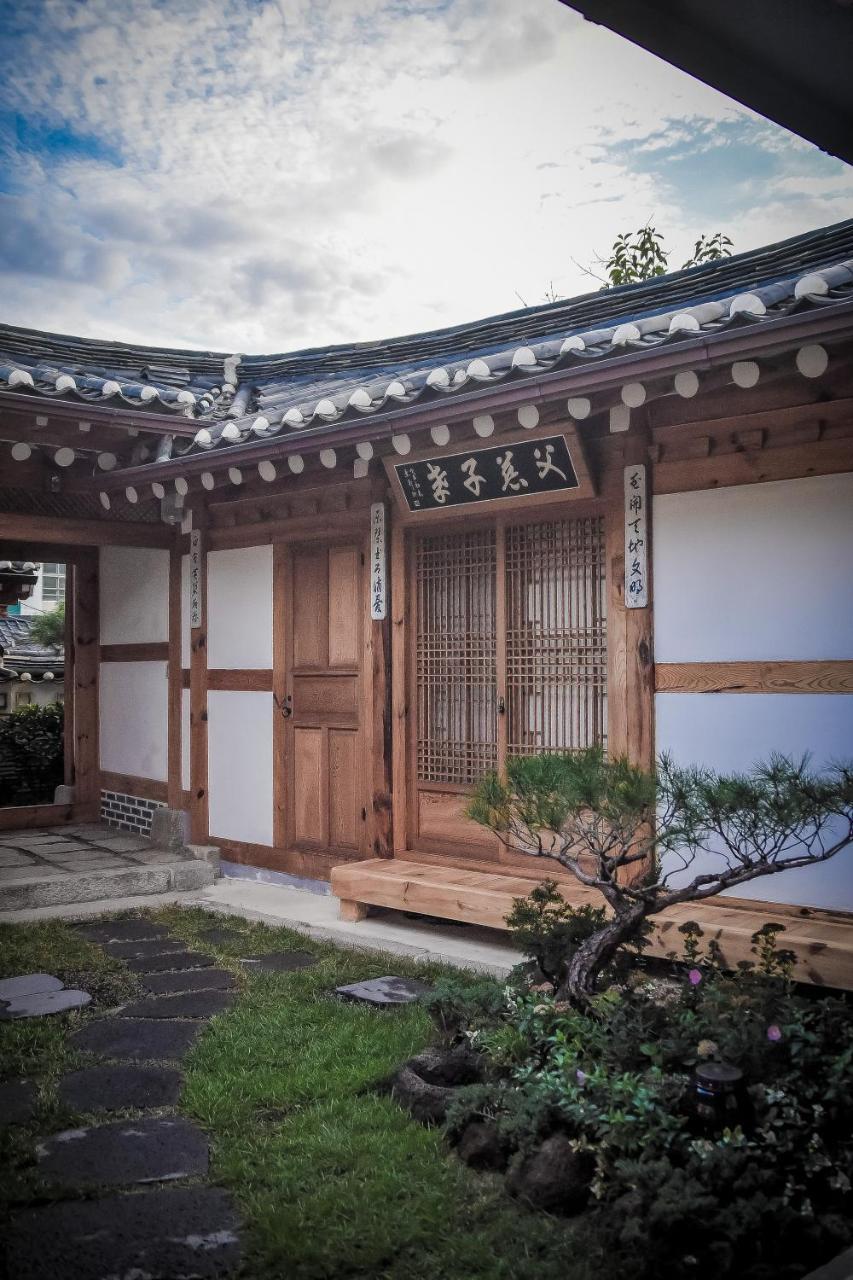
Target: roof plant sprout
<point>649,840</point>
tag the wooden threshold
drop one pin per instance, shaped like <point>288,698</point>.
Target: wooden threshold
<point>822,941</point>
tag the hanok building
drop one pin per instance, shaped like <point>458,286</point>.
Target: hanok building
<point>316,595</point>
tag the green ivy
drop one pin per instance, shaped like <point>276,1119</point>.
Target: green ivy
<point>33,739</point>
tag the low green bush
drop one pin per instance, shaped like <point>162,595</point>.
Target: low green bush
<point>763,1190</point>
<point>32,741</point>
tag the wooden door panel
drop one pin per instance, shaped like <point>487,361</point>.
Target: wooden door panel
<point>308,786</point>
<point>344,613</point>
<point>344,789</point>
<point>310,608</point>
<point>324,734</point>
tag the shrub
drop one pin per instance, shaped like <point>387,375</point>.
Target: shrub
<point>32,738</point>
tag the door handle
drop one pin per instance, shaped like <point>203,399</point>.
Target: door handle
<point>501,707</point>
<point>286,705</point>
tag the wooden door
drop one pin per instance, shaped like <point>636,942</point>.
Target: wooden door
<point>324,730</point>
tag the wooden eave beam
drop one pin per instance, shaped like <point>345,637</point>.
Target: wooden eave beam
<point>834,321</point>
<point>59,531</point>
<point>16,404</point>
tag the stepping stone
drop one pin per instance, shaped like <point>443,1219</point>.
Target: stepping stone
<point>167,963</point>
<point>29,984</point>
<point>139,949</point>
<point>44,1002</point>
<point>384,992</point>
<point>139,1040</point>
<point>279,962</point>
<point>112,1088</point>
<point>218,937</point>
<point>187,1004</point>
<point>189,980</point>
<point>124,1152</point>
<point>18,1102</point>
<point>175,1232</point>
<point>122,931</point>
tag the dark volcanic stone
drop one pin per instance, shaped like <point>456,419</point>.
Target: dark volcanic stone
<point>279,962</point>
<point>220,936</point>
<point>189,980</point>
<point>124,1152</point>
<point>140,1040</point>
<point>186,1004</point>
<point>427,1102</point>
<point>425,1085</point>
<point>165,1234</point>
<point>139,949</point>
<point>554,1177</point>
<point>450,1067</point>
<point>482,1146</point>
<point>170,963</point>
<point>111,1088</point>
<point>18,1102</point>
<point>384,991</point>
<point>122,931</point>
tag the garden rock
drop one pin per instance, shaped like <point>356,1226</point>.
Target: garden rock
<point>180,1232</point>
<point>483,1146</point>
<point>554,1177</point>
<point>426,1083</point>
<point>116,1087</point>
<point>386,991</point>
<point>124,1152</point>
<point>28,984</point>
<point>42,1003</point>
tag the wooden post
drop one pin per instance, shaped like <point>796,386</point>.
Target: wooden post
<point>280,578</point>
<point>87,781</point>
<point>68,696</point>
<point>198,702</point>
<point>382,843</point>
<point>399,695</point>
<point>175,785</point>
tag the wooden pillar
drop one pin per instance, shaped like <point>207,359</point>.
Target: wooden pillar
<point>68,681</point>
<point>382,840</point>
<point>175,783</point>
<point>198,699</point>
<point>84,661</point>
<point>280,581</point>
<point>399,719</point>
<point>630,655</point>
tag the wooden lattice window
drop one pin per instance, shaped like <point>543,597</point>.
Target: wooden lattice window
<point>556,639</point>
<point>456,656</point>
<point>508,620</point>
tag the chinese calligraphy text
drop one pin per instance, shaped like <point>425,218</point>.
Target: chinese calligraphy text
<point>377,562</point>
<point>636,538</point>
<point>482,475</point>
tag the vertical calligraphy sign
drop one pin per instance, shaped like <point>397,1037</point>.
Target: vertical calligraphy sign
<point>195,577</point>
<point>636,538</point>
<point>377,562</point>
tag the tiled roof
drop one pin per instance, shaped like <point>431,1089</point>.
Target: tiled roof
<point>18,653</point>
<point>239,398</point>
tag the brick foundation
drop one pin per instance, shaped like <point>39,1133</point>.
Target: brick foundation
<point>128,813</point>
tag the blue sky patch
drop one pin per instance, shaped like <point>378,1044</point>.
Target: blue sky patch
<point>55,143</point>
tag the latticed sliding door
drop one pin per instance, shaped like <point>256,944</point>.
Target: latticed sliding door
<point>455,657</point>
<point>556,640</point>
<point>509,658</point>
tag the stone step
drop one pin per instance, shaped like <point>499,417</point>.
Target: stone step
<point>28,892</point>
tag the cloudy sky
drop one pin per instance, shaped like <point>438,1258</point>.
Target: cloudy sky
<point>263,175</point>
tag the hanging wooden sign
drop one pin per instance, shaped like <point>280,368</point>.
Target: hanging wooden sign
<point>378,575</point>
<point>517,469</point>
<point>636,538</point>
<point>195,577</point>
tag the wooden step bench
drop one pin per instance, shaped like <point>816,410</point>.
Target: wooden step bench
<point>821,940</point>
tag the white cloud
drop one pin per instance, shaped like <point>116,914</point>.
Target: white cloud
<point>298,173</point>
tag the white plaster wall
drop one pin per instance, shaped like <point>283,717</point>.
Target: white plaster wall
<point>239,745</point>
<point>239,608</point>
<point>186,636</point>
<point>185,739</point>
<point>730,731</point>
<point>755,571</point>
<point>134,718</point>
<point>134,595</point>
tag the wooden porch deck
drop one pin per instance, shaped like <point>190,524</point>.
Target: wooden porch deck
<point>821,940</point>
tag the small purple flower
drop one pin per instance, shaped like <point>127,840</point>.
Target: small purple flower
<point>580,1076</point>
<point>774,1033</point>
<point>695,977</point>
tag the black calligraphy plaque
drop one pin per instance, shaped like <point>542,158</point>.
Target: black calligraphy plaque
<point>515,470</point>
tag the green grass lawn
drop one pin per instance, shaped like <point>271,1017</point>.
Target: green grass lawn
<point>330,1176</point>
